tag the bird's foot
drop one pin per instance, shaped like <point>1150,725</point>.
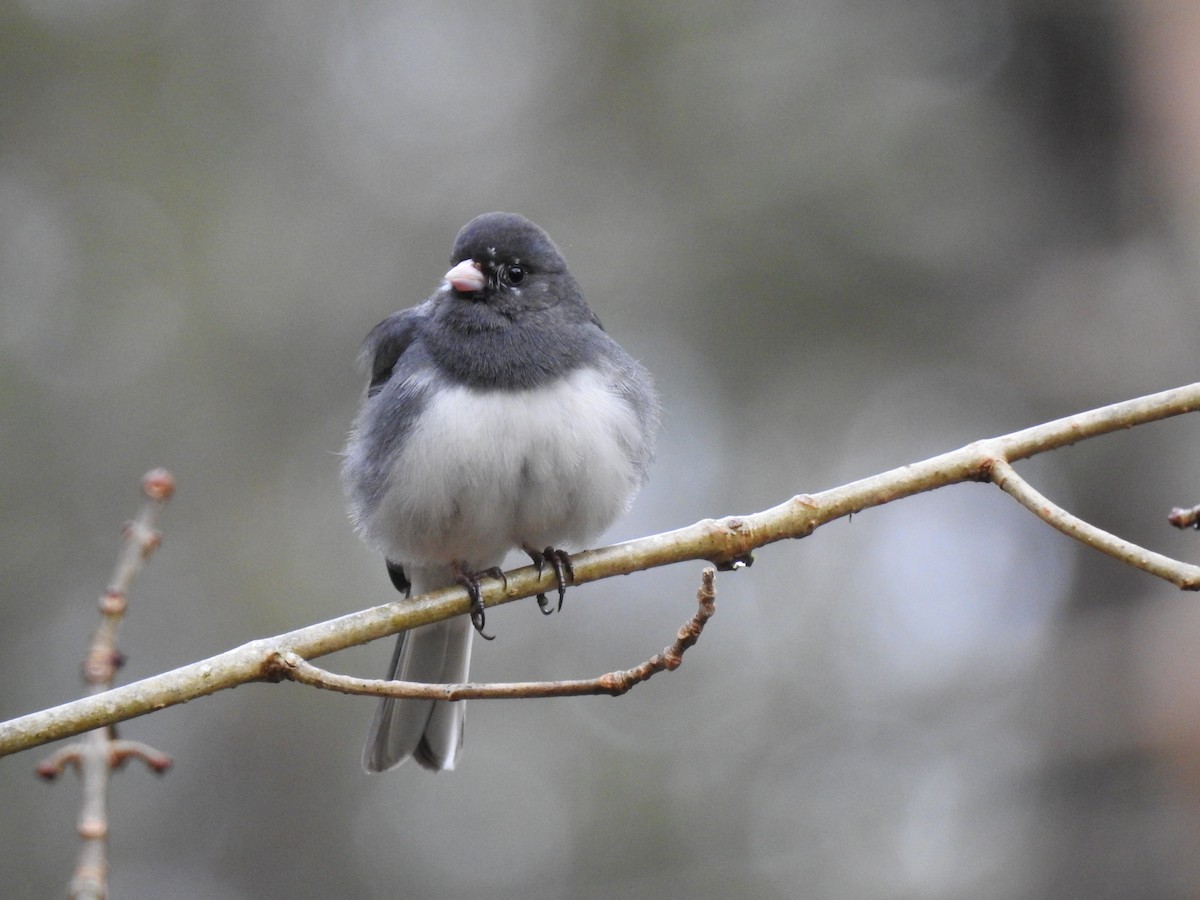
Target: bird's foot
<point>564,573</point>
<point>471,581</point>
<point>399,579</point>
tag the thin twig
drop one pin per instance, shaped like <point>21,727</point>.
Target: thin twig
<point>100,751</point>
<point>1182,575</point>
<point>292,666</point>
<point>724,542</point>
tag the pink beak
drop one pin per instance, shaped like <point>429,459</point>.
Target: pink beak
<point>466,277</point>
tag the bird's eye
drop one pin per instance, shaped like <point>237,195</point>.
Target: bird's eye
<point>514,274</point>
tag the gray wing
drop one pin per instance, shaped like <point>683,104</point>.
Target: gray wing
<point>391,406</point>
<point>385,345</point>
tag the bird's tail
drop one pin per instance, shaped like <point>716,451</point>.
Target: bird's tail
<point>430,731</point>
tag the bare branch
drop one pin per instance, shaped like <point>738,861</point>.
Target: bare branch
<point>100,752</point>
<point>725,542</point>
<point>292,666</point>
<point>1182,575</point>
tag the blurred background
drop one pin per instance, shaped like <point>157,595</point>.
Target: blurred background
<point>844,236</point>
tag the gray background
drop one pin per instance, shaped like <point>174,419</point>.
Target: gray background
<point>844,236</point>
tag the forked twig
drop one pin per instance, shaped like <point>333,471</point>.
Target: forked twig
<point>101,751</point>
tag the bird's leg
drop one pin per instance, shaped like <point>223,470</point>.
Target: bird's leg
<point>470,580</point>
<point>399,579</point>
<point>564,572</point>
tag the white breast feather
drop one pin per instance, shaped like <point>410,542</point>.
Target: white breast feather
<point>484,472</point>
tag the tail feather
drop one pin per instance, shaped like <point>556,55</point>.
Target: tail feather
<point>429,731</point>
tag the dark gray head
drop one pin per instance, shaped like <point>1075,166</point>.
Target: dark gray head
<point>509,312</point>
<point>500,238</point>
<point>508,264</point>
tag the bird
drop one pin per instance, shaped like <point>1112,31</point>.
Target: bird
<point>498,416</point>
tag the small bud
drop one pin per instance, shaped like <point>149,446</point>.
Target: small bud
<point>112,603</point>
<point>158,484</point>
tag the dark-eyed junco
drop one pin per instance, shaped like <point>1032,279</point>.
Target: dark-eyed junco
<point>499,415</point>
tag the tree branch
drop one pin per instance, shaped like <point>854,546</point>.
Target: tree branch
<point>614,684</point>
<point>725,542</point>
<point>100,752</point>
<point>1182,575</point>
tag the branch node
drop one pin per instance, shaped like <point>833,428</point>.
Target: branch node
<point>1185,518</point>
<point>613,683</point>
<point>113,603</point>
<point>281,665</point>
<point>92,829</point>
<point>101,665</point>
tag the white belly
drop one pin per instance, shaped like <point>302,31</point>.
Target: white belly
<point>483,472</point>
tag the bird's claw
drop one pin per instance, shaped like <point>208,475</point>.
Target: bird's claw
<point>564,573</point>
<point>399,579</point>
<point>471,581</point>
